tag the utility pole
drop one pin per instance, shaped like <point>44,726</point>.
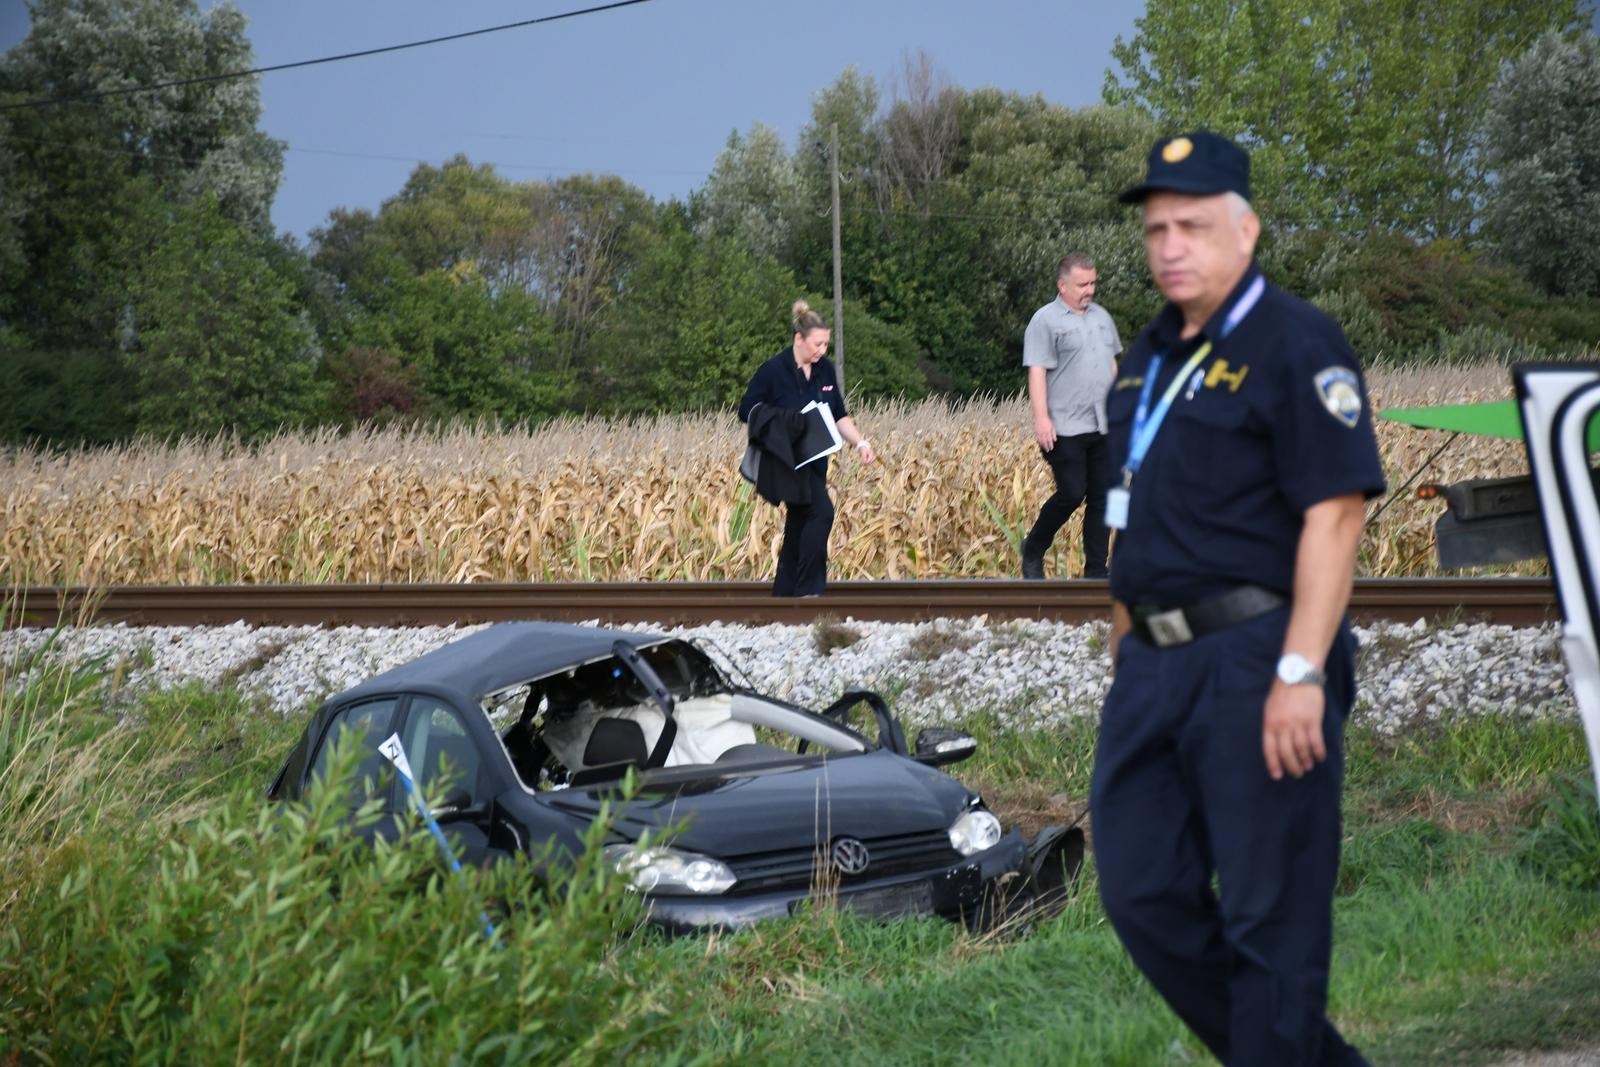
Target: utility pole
<point>838,288</point>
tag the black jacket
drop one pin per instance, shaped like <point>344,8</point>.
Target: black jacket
<point>774,432</point>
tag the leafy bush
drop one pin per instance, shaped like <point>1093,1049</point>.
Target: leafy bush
<point>133,930</point>
<point>279,934</point>
<point>1408,302</point>
<point>1478,343</point>
<point>1361,324</point>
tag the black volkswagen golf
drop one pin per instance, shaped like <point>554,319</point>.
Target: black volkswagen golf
<point>746,807</point>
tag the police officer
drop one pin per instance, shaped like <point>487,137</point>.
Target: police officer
<point>1244,449</point>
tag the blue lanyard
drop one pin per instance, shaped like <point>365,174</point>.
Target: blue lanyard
<point>1147,423</point>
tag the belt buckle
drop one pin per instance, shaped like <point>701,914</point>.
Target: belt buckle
<point>1168,628</point>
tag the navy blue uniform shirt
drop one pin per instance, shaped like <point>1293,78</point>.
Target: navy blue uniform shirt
<point>779,382</point>
<point>1275,419</point>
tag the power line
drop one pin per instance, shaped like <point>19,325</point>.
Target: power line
<point>204,79</point>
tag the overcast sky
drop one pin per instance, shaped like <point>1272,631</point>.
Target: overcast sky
<point>648,92</point>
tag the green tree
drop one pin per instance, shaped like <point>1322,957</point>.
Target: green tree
<point>851,105</point>
<point>589,233</point>
<point>458,213</point>
<point>955,208</point>
<point>215,339</point>
<point>1542,137</point>
<point>567,245</point>
<point>753,191</point>
<point>473,351</point>
<point>701,314</point>
<point>704,311</point>
<point>1358,112</point>
<point>1043,181</point>
<point>86,186</point>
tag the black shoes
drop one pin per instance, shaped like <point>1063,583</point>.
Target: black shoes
<point>1032,566</point>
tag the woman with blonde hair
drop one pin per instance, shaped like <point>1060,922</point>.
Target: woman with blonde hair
<point>789,381</point>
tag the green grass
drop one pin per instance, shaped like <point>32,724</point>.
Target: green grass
<point>143,916</point>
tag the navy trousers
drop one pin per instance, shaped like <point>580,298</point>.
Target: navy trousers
<point>1181,794</point>
<point>1081,467</point>
<point>803,557</point>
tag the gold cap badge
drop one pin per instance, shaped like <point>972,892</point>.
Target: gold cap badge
<point>1177,150</point>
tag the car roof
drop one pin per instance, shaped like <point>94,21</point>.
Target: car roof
<point>499,656</point>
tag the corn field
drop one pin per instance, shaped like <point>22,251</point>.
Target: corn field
<point>956,488</point>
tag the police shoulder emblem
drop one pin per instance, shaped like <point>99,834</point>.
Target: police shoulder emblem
<point>1177,150</point>
<point>1340,391</point>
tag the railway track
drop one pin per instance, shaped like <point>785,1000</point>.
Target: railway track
<point>1511,601</point>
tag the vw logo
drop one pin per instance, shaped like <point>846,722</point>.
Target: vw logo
<point>850,856</point>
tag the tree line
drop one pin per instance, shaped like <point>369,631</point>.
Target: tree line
<point>1427,172</point>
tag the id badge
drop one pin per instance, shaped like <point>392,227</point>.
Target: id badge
<point>1117,508</point>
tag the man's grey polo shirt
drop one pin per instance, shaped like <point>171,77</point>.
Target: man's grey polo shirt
<point>1077,352</point>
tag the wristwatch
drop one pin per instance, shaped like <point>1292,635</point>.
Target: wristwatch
<point>1295,669</point>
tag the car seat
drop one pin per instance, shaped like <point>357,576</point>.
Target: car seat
<point>615,741</point>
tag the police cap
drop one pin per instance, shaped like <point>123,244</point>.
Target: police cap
<point>1196,164</point>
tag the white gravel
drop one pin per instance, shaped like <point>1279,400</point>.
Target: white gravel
<point>1026,672</point>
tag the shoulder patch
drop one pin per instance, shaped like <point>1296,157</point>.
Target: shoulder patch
<point>1341,394</point>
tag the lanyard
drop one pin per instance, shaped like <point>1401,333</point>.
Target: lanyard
<point>1145,422</point>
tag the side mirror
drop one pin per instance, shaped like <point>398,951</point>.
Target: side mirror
<point>939,745</point>
<point>457,806</point>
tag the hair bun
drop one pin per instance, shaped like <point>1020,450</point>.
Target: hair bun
<point>800,308</point>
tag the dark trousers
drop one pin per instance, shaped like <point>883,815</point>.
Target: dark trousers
<point>803,558</point>
<point>1181,792</point>
<point>1081,465</point>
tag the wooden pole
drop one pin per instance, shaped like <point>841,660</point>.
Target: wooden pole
<point>838,287</point>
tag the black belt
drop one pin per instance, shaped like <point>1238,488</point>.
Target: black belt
<point>1164,627</point>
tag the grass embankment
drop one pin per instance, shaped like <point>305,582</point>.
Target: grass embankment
<point>656,498</point>
<point>149,912</point>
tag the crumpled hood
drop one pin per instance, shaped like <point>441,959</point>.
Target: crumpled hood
<point>868,795</point>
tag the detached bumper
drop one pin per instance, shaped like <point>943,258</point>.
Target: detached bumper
<point>960,891</point>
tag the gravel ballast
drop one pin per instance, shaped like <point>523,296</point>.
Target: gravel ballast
<point>1028,673</point>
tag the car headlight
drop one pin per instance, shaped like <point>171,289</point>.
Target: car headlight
<point>659,869</point>
<point>975,831</point>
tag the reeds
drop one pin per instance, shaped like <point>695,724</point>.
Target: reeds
<point>653,498</point>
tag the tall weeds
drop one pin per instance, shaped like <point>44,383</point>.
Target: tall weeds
<point>266,934</point>
<point>57,759</point>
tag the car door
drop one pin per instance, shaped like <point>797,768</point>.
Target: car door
<point>1560,403</point>
<point>452,775</point>
<point>364,725</point>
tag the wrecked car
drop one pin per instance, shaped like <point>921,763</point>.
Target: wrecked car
<point>745,806</point>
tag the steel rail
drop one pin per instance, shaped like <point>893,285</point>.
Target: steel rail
<point>1511,601</point>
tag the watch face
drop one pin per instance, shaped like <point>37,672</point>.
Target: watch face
<point>1293,668</point>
